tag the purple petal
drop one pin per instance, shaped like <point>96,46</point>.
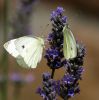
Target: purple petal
<point>60,10</point>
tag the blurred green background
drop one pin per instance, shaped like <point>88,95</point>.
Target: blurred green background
<point>83,18</point>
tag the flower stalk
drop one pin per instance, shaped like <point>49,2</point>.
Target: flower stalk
<point>53,72</point>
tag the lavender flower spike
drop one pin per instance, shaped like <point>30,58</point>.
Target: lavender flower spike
<point>54,53</point>
<point>59,10</point>
<point>20,23</point>
<point>68,86</point>
<point>48,91</point>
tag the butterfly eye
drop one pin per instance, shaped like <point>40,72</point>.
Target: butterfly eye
<point>23,46</point>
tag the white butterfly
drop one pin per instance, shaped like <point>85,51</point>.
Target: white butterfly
<point>26,50</point>
<point>69,45</point>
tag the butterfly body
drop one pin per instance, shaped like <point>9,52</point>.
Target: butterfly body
<point>26,50</point>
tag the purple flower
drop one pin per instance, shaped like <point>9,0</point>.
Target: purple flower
<point>80,70</point>
<point>16,77</point>
<point>64,19</point>
<point>48,90</point>
<point>29,78</point>
<point>41,92</point>
<point>68,79</point>
<point>46,76</point>
<point>53,15</point>
<point>59,10</point>
<point>52,53</point>
<point>58,14</point>
<point>50,37</point>
<point>68,86</point>
<point>71,92</point>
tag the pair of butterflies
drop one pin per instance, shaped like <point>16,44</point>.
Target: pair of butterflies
<point>28,51</point>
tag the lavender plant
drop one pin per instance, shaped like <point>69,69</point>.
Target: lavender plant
<point>68,86</point>
<point>20,23</point>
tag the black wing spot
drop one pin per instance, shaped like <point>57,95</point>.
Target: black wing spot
<point>23,46</point>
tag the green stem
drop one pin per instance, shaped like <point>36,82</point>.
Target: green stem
<point>4,61</point>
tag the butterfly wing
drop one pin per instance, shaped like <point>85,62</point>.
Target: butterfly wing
<point>36,57</point>
<point>69,45</point>
<point>21,62</point>
<point>73,45</point>
<point>30,49</point>
<point>10,47</point>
